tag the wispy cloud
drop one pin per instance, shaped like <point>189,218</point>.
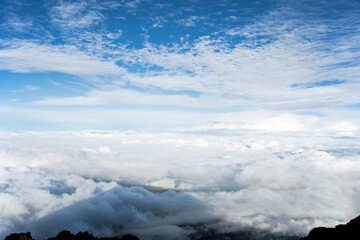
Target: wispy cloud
<point>31,88</point>
<point>158,22</point>
<point>255,65</point>
<point>132,3</point>
<point>74,15</point>
<point>26,88</point>
<point>16,24</point>
<point>191,21</point>
<point>25,56</point>
<point>121,96</point>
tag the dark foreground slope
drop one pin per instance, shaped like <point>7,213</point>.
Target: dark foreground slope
<point>66,235</point>
<point>349,231</point>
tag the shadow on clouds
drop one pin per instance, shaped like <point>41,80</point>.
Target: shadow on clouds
<point>148,215</point>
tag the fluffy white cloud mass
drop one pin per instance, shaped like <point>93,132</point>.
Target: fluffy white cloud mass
<point>97,181</point>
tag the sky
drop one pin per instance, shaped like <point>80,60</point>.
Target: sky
<point>174,116</point>
<point>77,65</point>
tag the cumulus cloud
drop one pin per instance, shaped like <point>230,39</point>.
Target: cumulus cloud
<point>281,183</point>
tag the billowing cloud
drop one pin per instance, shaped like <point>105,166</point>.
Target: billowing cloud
<point>285,184</point>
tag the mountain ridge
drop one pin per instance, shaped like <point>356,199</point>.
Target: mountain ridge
<point>348,231</point>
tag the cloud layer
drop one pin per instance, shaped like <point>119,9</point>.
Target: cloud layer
<point>271,182</point>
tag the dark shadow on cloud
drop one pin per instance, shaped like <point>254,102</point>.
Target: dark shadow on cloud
<point>60,187</point>
<point>123,210</point>
<point>148,215</point>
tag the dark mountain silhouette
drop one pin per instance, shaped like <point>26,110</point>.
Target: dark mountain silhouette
<point>208,235</point>
<point>67,235</point>
<point>19,236</point>
<point>349,231</point>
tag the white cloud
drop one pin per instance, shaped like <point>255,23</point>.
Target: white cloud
<point>31,88</point>
<point>233,18</point>
<point>264,75</point>
<point>158,22</point>
<point>99,150</point>
<point>73,15</point>
<point>249,72</point>
<point>191,21</point>
<point>286,183</point>
<point>339,122</point>
<point>122,96</point>
<point>25,57</point>
<point>27,88</point>
<point>14,23</point>
<point>132,4</point>
<point>224,76</point>
<point>115,35</point>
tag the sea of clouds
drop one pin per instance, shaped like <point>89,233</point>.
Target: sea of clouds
<point>162,185</point>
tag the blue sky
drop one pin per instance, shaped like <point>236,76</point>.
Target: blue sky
<point>147,64</point>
